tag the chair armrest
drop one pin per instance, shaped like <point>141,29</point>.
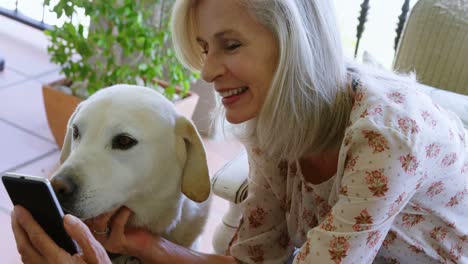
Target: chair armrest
<point>230,182</point>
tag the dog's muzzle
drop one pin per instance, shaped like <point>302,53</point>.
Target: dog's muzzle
<point>65,188</point>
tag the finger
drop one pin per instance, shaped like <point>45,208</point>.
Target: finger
<point>132,239</point>
<point>115,241</point>
<point>92,251</point>
<point>119,221</point>
<point>24,246</point>
<point>101,222</point>
<point>38,237</point>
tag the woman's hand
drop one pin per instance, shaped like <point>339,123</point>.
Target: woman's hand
<point>149,248</point>
<point>35,246</point>
<point>111,230</point>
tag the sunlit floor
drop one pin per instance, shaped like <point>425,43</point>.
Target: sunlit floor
<point>26,143</point>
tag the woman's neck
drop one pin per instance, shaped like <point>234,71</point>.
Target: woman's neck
<point>319,168</point>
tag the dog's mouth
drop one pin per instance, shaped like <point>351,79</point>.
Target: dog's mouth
<point>84,214</point>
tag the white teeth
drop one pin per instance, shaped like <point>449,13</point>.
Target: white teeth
<point>233,92</point>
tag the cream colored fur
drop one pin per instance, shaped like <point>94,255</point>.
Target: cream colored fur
<point>163,179</point>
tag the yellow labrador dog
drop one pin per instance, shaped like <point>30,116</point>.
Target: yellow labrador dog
<point>127,145</point>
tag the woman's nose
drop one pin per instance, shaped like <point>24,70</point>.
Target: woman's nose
<point>212,68</point>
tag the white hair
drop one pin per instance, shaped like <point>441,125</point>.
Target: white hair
<point>308,104</point>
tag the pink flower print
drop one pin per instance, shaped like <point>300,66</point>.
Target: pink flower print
<point>377,110</point>
<point>461,137</point>
<point>410,220</point>
<point>389,239</point>
<point>350,162</point>
<point>396,97</point>
<point>391,261</point>
<point>455,252</point>
<point>324,209</point>
<point>318,199</point>
<point>442,255</point>
<point>396,204</point>
<point>456,199</point>
<point>304,252</point>
<point>428,119</point>
<point>365,113</point>
<point>348,137</point>
<point>435,188</point>
<point>418,208</point>
<point>364,218</point>
<point>344,190</point>
<point>409,164</point>
<point>439,233</point>
<point>257,217</point>
<point>451,135</point>
<point>464,168</point>
<point>421,180</point>
<point>285,203</point>
<point>327,224</point>
<point>338,248</point>
<point>375,140</point>
<point>309,217</point>
<point>463,238</point>
<point>433,150</point>
<point>256,253</point>
<point>416,249</point>
<point>374,111</point>
<point>373,238</point>
<point>357,98</point>
<point>425,115</point>
<point>407,124</point>
<point>451,224</point>
<point>449,159</point>
<point>377,182</point>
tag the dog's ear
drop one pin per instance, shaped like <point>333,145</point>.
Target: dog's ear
<point>195,177</point>
<point>68,136</point>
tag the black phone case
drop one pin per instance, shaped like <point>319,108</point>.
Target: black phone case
<point>35,197</point>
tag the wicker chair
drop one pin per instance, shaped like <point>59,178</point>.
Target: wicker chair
<point>434,44</point>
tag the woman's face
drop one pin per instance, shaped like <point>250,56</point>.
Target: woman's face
<point>240,56</point>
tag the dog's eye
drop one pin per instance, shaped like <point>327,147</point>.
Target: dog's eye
<point>123,142</point>
<point>76,132</point>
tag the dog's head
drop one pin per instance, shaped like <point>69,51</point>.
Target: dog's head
<point>126,143</point>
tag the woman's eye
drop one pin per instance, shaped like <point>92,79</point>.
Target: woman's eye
<point>231,46</point>
<point>123,142</point>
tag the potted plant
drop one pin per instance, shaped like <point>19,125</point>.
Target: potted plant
<point>124,41</point>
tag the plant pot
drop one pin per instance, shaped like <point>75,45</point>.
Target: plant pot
<point>59,106</point>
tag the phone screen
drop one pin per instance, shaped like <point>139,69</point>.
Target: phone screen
<point>36,196</point>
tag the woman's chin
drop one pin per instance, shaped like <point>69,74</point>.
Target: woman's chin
<point>235,118</point>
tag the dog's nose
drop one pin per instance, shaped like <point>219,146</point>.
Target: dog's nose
<point>64,186</point>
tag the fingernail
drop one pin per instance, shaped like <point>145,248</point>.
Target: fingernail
<point>71,219</point>
<point>16,211</point>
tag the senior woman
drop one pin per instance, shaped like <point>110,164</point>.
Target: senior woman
<point>348,164</point>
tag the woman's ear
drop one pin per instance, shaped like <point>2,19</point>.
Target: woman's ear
<point>195,177</point>
<point>66,148</point>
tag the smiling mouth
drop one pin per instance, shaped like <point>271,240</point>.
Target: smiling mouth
<point>233,92</point>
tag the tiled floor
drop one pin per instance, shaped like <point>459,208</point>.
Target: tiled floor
<point>26,144</point>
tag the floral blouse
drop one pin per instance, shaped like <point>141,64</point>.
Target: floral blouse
<point>399,194</point>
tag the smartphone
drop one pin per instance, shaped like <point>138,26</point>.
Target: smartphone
<point>37,196</point>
